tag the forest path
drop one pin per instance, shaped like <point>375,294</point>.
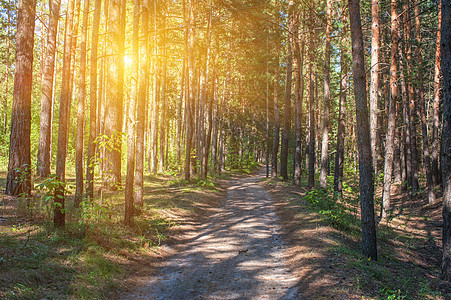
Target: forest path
<point>239,254</point>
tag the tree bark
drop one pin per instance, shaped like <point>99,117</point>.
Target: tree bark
<point>114,109</point>
<point>179,114</point>
<point>389,143</point>
<point>19,173</point>
<point>64,116</point>
<point>374,86</point>
<point>406,158</point>
<point>79,150</point>
<point>163,98</point>
<point>299,97</point>
<point>131,122</point>
<point>206,99</point>
<point>45,132</point>
<point>267,106</point>
<point>312,123</point>
<point>7,71</point>
<point>192,83</point>
<point>339,156</point>
<point>445,158</point>
<point>422,105</point>
<point>436,109</point>
<point>369,247</point>
<point>412,110</point>
<point>141,106</point>
<point>287,104</point>
<point>276,140</point>
<point>326,108</point>
<point>90,160</point>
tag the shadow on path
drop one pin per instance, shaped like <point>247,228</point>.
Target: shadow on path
<point>239,254</point>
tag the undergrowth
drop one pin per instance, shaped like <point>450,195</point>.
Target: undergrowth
<point>88,258</point>
<point>394,275</point>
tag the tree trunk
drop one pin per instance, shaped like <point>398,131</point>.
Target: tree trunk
<point>63,126</point>
<point>406,159</point>
<point>326,109</point>
<point>79,150</point>
<point>179,115</point>
<point>267,106</point>
<point>93,101</point>
<point>131,143</point>
<point>287,104</point>
<point>422,105</point>
<point>369,246</point>
<point>374,86</point>
<point>275,145</point>
<point>312,123</point>
<point>45,132</point>
<point>436,109</point>
<point>114,109</point>
<point>141,106</point>
<point>446,140</point>
<point>412,110</point>
<point>163,98</point>
<point>19,173</point>
<point>206,98</point>
<point>192,83</point>
<point>299,97</point>
<point>389,143</point>
<point>7,71</point>
<point>339,156</point>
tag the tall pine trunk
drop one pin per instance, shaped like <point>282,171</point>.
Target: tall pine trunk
<point>79,150</point>
<point>45,132</point>
<point>339,156</point>
<point>191,95</point>
<point>114,107</point>
<point>374,86</point>
<point>446,140</point>
<point>369,246</point>
<point>412,109</point>
<point>299,97</point>
<point>389,144</point>
<point>287,104</point>
<point>276,140</point>
<point>436,109</point>
<point>131,141</point>
<point>93,109</point>
<point>422,105</point>
<point>326,108</point>
<point>64,117</point>
<point>312,123</point>
<point>141,106</point>
<point>18,180</point>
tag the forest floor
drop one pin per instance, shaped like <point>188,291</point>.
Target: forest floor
<point>323,238</point>
<point>241,236</point>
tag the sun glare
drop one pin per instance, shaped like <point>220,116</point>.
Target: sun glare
<point>128,60</point>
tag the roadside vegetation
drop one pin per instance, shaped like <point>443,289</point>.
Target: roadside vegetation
<point>408,244</point>
<point>95,251</point>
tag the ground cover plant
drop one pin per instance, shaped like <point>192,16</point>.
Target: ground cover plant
<point>408,245</point>
<point>91,256</point>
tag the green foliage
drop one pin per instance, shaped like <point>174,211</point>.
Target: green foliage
<point>391,294</point>
<point>333,212</point>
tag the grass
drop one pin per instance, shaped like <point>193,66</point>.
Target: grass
<point>95,251</point>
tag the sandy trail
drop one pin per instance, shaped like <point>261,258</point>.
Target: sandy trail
<point>239,254</point>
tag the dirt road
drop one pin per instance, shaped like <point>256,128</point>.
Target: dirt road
<point>239,254</point>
